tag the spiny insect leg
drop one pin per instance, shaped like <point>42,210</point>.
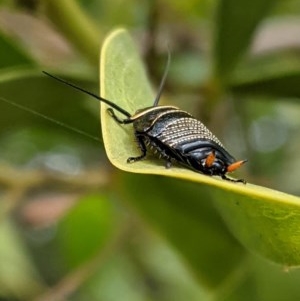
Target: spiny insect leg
<point>142,146</point>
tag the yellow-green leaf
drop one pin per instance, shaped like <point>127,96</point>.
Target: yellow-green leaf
<point>265,221</point>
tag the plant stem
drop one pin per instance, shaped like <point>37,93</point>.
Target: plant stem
<point>78,28</point>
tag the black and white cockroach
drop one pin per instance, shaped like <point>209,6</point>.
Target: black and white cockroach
<point>175,135</point>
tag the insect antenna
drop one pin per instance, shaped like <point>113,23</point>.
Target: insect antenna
<point>108,102</point>
<point>163,80</point>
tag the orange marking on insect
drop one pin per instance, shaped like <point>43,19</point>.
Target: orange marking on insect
<point>235,165</point>
<point>210,159</point>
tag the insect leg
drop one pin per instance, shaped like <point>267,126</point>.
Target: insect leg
<point>111,112</point>
<point>233,180</point>
<point>168,164</point>
<point>143,148</point>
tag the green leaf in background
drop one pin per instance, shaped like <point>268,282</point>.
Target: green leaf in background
<point>18,276</point>
<point>264,220</point>
<point>190,222</point>
<point>275,74</point>
<point>20,86</point>
<point>12,55</point>
<point>85,230</point>
<point>236,22</point>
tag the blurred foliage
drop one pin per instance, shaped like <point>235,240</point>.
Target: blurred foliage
<point>74,228</point>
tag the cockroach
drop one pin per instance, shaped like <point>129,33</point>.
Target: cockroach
<point>175,135</point>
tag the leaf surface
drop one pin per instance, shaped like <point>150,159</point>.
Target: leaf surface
<point>265,221</point>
